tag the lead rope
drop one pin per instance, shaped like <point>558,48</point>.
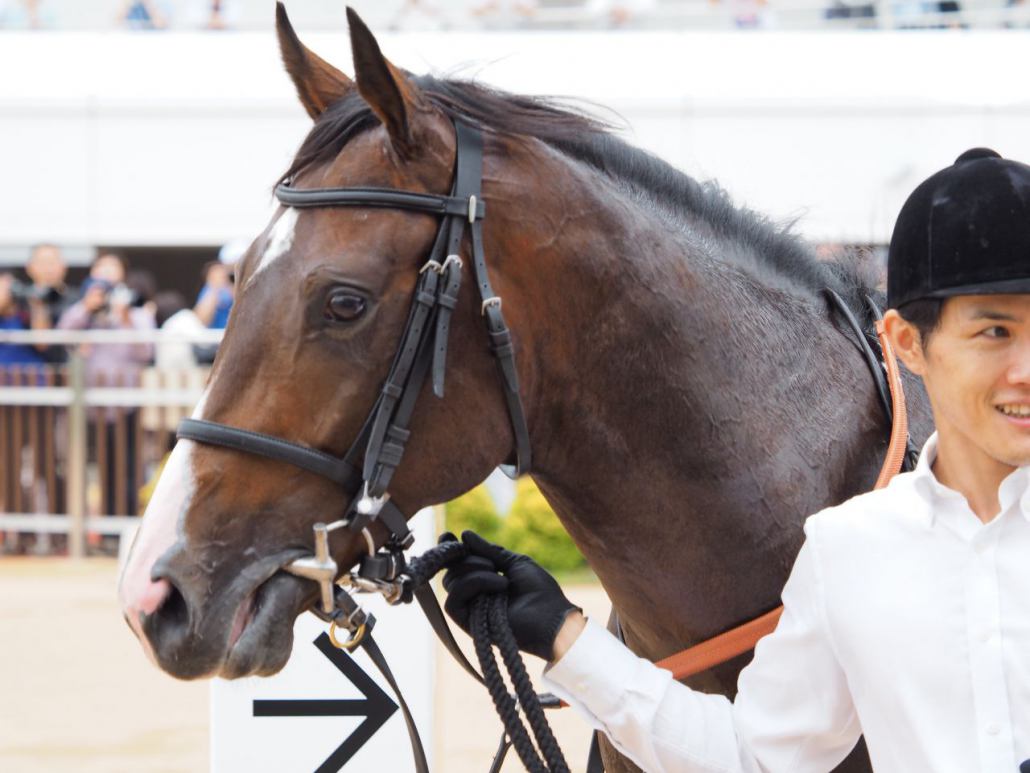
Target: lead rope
<point>489,625</point>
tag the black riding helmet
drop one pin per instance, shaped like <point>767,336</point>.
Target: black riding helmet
<point>963,231</point>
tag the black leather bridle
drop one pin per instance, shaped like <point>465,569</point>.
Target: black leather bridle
<point>365,471</point>
<point>423,347</point>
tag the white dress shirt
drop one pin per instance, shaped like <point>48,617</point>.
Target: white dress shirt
<point>905,618</point>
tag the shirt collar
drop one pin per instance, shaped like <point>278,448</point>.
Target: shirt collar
<point>1014,489</point>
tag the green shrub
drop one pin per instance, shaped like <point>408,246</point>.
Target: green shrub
<point>474,510</point>
<point>532,528</point>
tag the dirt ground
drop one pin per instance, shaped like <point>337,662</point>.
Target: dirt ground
<point>76,693</point>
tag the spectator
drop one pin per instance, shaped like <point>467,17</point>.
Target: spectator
<point>25,15</point>
<point>418,15</point>
<point>144,290</point>
<point>620,13</point>
<point>504,13</point>
<point>213,14</point>
<point>106,304</point>
<point>176,318</point>
<point>863,12</point>
<point>143,15</point>
<point>47,270</point>
<point>15,315</point>
<point>215,299</point>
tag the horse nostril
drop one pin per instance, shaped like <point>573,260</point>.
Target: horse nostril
<point>152,596</point>
<point>172,611</point>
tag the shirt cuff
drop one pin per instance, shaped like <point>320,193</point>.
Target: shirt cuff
<point>595,672</point>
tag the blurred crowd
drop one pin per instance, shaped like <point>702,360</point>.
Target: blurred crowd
<point>428,15</point>
<point>124,444</point>
<point>114,296</point>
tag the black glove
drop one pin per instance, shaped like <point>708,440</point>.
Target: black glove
<point>536,605</point>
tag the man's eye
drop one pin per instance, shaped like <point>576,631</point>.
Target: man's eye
<point>997,331</point>
<point>344,306</point>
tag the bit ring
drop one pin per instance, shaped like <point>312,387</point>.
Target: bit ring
<point>350,643</point>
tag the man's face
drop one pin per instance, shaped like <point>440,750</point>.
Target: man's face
<point>46,266</point>
<point>976,367</point>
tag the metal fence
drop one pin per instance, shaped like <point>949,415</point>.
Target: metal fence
<point>79,449</point>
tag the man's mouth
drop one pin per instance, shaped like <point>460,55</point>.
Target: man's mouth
<point>1015,410</point>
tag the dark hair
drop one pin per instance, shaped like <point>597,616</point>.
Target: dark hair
<point>167,303</point>
<point>925,314</point>
<point>143,284</point>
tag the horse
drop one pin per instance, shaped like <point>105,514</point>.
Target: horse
<point>690,396</point>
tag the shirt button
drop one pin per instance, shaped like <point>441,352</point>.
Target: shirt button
<point>985,636</point>
<point>993,729</point>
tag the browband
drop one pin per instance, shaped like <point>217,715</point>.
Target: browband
<point>387,198</point>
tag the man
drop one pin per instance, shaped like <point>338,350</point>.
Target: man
<point>907,614</point>
<point>50,296</point>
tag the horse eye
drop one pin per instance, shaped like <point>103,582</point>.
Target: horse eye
<point>343,306</point>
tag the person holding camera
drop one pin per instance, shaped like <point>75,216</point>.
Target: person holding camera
<point>108,304</point>
<point>47,270</point>
<point>18,311</point>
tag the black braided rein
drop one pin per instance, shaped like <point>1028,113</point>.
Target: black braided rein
<point>488,621</point>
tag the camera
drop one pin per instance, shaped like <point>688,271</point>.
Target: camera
<point>114,294</point>
<point>24,292</point>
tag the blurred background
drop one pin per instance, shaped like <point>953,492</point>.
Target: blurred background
<point>138,145</point>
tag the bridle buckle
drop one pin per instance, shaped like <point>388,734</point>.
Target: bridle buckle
<point>494,300</point>
<point>369,505</point>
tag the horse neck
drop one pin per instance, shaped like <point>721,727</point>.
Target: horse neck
<point>679,405</point>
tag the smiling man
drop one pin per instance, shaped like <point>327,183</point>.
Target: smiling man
<point>907,614</point>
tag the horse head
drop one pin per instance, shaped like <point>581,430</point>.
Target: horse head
<point>323,300</point>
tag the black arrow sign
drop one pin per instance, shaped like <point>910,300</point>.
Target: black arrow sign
<point>376,706</point>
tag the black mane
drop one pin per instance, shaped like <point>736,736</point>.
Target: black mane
<point>777,252</point>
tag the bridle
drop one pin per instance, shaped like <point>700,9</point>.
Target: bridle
<point>423,347</point>
<point>367,468</point>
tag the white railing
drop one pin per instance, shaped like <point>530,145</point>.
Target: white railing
<point>45,425</point>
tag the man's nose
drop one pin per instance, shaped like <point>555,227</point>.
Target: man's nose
<point>1019,367</point>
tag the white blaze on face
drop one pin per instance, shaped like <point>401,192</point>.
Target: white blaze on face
<point>280,239</point>
<point>160,529</point>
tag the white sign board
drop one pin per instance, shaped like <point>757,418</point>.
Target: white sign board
<point>328,710</point>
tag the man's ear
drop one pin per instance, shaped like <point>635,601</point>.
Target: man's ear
<point>318,83</point>
<point>906,340</point>
<point>392,97</point>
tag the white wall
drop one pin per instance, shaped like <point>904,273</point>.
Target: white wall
<point>137,138</point>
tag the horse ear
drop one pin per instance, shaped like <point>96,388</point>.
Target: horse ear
<point>392,97</point>
<point>318,83</point>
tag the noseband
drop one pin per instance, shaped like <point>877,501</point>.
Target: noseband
<point>423,347</point>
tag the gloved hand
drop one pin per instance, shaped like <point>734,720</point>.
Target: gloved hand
<point>536,605</point>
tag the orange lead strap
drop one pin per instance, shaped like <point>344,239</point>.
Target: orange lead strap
<point>899,426</point>
<point>743,638</point>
